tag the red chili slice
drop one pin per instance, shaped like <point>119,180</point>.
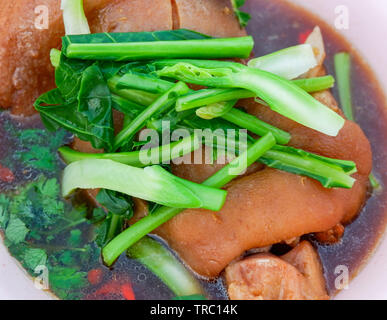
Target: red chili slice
<point>127,291</point>
<point>303,36</point>
<point>6,175</point>
<point>95,276</point>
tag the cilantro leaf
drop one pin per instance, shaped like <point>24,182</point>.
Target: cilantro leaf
<point>4,214</point>
<point>75,238</point>
<point>16,231</point>
<point>243,17</point>
<point>67,278</point>
<point>34,257</point>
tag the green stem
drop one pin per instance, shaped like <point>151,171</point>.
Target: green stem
<point>166,266</point>
<point>115,223</point>
<point>209,96</point>
<point>152,184</point>
<point>255,125</point>
<point>140,97</point>
<point>162,103</point>
<point>343,75</point>
<point>152,156</point>
<point>315,84</point>
<point>201,49</point>
<point>146,225</point>
<point>144,82</point>
<point>74,18</point>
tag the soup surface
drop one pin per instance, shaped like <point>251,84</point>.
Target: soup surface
<point>62,235</point>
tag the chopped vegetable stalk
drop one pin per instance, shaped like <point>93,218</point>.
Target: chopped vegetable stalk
<point>315,84</point>
<point>288,63</point>
<point>374,182</point>
<point>215,110</point>
<point>343,75</point>
<point>164,102</point>
<point>74,17</point>
<point>126,47</point>
<point>152,183</point>
<point>152,156</point>
<point>146,225</point>
<point>258,149</point>
<point>55,57</point>
<point>143,82</point>
<point>255,125</point>
<point>204,97</point>
<point>330,172</point>
<point>137,96</point>
<point>130,109</point>
<point>166,266</point>
<point>282,95</point>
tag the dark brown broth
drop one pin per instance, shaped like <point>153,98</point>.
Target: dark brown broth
<point>276,25</point>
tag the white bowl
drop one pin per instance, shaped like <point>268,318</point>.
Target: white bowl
<point>367,32</point>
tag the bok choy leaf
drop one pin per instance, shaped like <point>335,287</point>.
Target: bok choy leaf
<point>281,95</point>
<point>152,184</point>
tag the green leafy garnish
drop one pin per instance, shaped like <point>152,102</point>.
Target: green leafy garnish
<point>243,17</point>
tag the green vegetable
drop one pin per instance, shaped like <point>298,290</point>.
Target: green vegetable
<point>282,95</point>
<point>253,124</point>
<point>66,278</point>
<point>128,108</point>
<point>152,184</point>
<point>245,159</point>
<point>94,98</point>
<point>16,230</point>
<point>74,17</point>
<point>330,172</point>
<point>4,214</point>
<point>288,63</point>
<point>34,257</point>
<point>139,97</point>
<point>374,182</point>
<point>162,104</point>
<point>315,84</point>
<point>140,158</point>
<point>154,45</point>
<point>56,113</point>
<point>116,203</point>
<point>243,17</point>
<point>215,110</point>
<point>55,57</point>
<point>145,82</point>
<point>210,96</point>
<point>146,225</point>
<point>343,74</point>
<point>165,265</point>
